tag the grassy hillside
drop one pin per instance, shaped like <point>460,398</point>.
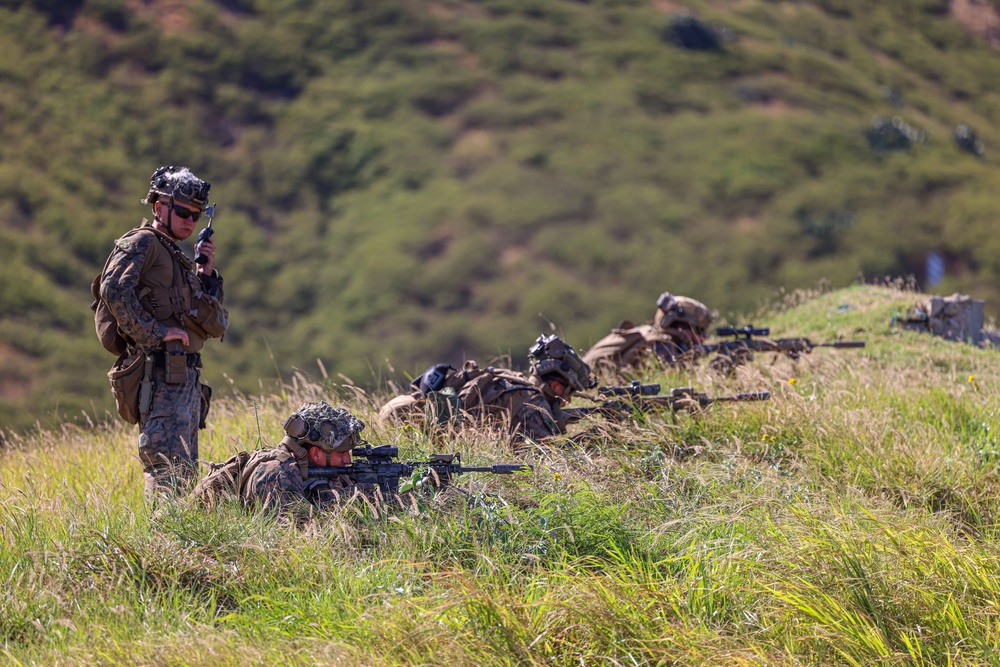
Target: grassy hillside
<point>408,181</point>
<point>851,520</point>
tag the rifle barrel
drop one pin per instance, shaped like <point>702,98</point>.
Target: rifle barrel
<point>499,468</point>
<point>843,343</point>
<point>749,396</point>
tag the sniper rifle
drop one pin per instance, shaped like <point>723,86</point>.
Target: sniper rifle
<point>642,398</point>
<point>741,348</point>
<point>377,466</point>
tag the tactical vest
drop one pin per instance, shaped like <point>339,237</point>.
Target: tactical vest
<point>169,289</point>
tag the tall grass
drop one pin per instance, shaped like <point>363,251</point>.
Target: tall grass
<point>851,520</point>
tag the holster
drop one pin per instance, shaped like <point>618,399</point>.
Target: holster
<point>175,363</point>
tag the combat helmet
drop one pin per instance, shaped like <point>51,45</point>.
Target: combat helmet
<point>681,317</point>
<point>324,426</point>
<point>179,185</point>
<point>550,354</point>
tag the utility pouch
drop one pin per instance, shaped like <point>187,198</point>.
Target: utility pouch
<point>206,404</point>
<point>126,377</point>
<point>175,364</point>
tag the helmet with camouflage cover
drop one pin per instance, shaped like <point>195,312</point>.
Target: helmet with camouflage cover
<point>179,185</point>
<point>324,426</point>
<point>682,318</point>
<point>551,355</point>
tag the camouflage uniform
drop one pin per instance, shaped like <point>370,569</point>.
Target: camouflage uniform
<point>276,483</point>
<point>672,337</point>
<point>490,395</point>
<point>149,285</point>
<point>524,405</point>
<point>278,478</point>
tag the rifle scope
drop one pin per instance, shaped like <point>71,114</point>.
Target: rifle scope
<point>634,389</point>
<point>384,451</point>
<point>748,330</point>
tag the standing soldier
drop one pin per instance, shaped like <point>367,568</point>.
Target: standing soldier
<point>166,307</point>
<point>678,327</point>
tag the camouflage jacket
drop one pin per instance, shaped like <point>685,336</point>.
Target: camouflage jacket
<point>630,345</point>
<point>493,396</point>
<point>150,285</point>
<point>269,478</point>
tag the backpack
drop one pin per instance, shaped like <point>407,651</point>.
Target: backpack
<point>111,337</point>
<point>495,393</point>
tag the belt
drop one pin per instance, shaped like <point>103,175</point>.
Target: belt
<point>160,359</point>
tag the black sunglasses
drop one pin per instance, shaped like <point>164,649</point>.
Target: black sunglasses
<point>185,213</point>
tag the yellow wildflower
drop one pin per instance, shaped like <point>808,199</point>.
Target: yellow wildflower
<point>556,477</point>
<point>792,380</point>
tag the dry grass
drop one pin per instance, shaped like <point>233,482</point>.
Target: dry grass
<point>851,520</point>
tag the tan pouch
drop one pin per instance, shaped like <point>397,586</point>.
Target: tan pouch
<point>126,380</point>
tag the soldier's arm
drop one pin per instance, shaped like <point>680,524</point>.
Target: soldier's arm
<point>212,283</point>
<point>119,288</point>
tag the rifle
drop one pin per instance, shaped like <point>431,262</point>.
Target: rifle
<point>377,465</point>
<point>645,398</point>
<point>744,344</point>
<point>205,234</point>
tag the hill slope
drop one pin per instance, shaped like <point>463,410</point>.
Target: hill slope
<point>850,520</point>
<point>416,181</point>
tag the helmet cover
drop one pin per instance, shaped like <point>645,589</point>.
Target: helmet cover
<point>550,354</point>
<point>180,184</point>
<point>326,427</point>
<point>673,312</point>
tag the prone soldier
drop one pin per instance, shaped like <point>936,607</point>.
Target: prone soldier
<point>312,466</point>
<point>317,434</point>
<point>678,326</point>
<point>527,406</point>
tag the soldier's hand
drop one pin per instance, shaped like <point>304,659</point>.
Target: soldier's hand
<point>176,333</point>
<point>206,248</point>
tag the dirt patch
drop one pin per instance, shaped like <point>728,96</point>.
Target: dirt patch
<point>669,7</point>
<point>979,17</point>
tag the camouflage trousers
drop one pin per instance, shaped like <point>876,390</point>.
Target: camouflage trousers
<point>168,434</point>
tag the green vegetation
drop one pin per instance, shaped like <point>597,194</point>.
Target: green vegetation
<point>405,182</point>
<point>851,520</point>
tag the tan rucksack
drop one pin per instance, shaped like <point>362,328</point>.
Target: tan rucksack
<point>626,345</point>
<point>112,338</point>
<point>495,393</point>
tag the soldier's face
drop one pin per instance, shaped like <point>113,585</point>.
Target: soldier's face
<point>180,226</point>
<point>320,457</point>
<point>558,388</point>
